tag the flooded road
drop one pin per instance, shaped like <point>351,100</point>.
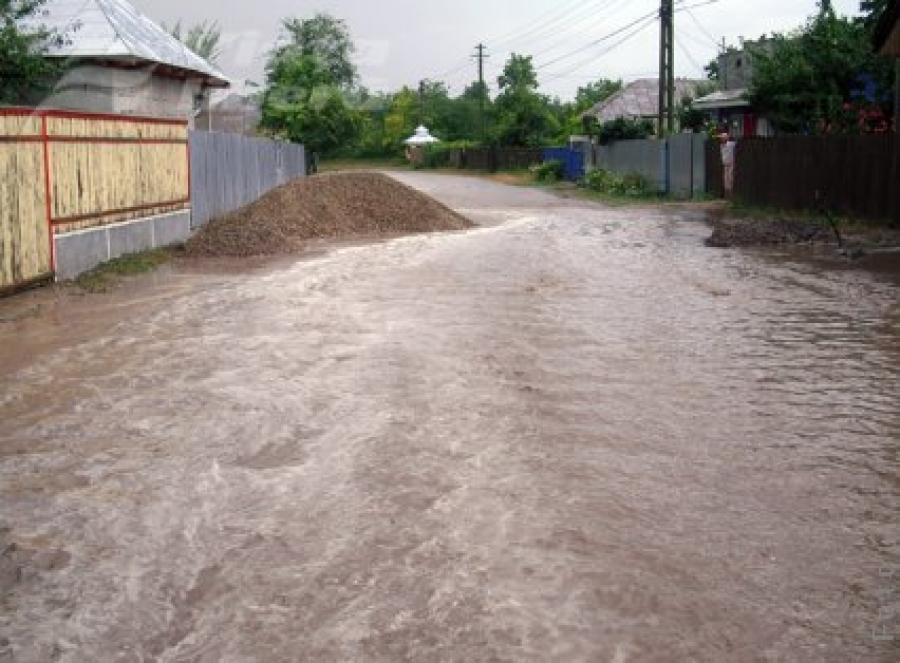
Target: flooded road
<point>572,434</point>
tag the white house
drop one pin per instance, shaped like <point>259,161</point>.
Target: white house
<point>120,62</point>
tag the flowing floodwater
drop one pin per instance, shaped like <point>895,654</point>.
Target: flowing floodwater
<point>572,434</point>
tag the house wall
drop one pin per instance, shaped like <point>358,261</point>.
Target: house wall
<point>94,88</point>
<point>736,65</point>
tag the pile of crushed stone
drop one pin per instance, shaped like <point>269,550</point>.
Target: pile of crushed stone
<point>329,205</point>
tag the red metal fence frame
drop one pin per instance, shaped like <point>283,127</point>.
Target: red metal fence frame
<point>46,139</point>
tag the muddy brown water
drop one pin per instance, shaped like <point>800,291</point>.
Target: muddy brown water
<point>572,434</point>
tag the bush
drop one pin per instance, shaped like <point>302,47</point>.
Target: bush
<point>551,170</point>
<point>623,128</point>
<point>617,184</point>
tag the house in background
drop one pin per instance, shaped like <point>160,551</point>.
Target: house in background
<point>728,107</point>
<point>235,114</point>
<point>639,100</point>
<point>122,63</point>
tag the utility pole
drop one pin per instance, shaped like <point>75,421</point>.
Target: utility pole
<point>666,68</point>
<point>482,90</point>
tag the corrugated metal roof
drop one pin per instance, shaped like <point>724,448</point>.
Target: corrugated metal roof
<point>639,99</point>
<point>722,99</point>
<point>113,29</point>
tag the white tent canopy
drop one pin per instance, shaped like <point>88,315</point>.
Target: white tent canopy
<point>421,137</point>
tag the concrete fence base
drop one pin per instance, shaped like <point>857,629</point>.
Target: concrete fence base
<point>81,251</point>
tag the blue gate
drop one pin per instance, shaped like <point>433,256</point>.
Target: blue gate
<point>572,160</point>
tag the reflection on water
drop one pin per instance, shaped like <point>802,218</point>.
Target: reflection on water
<point>575,435</point>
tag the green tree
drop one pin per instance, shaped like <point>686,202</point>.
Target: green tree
<point>594,93</point>
<point>624,129</point>
<point>401,118</point>
<point>204,39</point>
<point>24,69</point>
<point>810,78</point>
<point>325,39</point>
<point>690,118</point>
<point>310,81</point>
<point>571,116</point>
<point>523,115</point>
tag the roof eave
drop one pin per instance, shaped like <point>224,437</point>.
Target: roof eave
<point>216,80</point>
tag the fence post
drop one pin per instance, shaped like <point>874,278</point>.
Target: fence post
<point>48,182</point>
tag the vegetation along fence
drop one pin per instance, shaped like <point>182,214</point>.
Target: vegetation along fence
<point>61,172</point>
<point>229,171</point>
<point>846,175</point>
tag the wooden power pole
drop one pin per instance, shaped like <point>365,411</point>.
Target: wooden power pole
<point>666,68</point>
<point>481,56</point>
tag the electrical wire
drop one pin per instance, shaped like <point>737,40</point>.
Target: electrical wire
<point>637,29</point>
<point>571,12</point>
<point>568,13</point>
<point>702,28</point>
<point>651,17</point>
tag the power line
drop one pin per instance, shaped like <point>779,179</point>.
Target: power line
<point>702,28</point>
<point>537,24</point>
<point>545,23</point>
<point>596,42</point>
<point>567,40</point>
<point>687,54</point>
<point>606,51</point>
<point>540,25</point>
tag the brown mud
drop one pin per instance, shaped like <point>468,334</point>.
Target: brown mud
<point>573,433</point>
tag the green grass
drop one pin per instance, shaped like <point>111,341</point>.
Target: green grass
<point>103,277</point>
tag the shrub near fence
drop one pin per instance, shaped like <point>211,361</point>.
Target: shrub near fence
<point>847,175</point>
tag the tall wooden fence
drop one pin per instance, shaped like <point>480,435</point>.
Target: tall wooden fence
<point>486,158</point>
<point>847,175</point>
<point>229,171</point>
<point>62,171</point>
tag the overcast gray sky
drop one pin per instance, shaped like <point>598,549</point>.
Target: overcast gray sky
<point>573,42</point>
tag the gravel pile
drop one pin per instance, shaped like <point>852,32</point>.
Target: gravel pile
<point>329,205</point>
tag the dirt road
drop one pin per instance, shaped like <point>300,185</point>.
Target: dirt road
<point>572,434</point>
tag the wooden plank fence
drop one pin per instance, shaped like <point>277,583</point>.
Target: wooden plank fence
<point>847,175</point>
<point>62,171</point>
<point>485,158</point>
<point>229,171</point>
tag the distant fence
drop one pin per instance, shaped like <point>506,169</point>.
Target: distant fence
<point>847,175</point>
<point>485,158</point>
<point>63,171</point>
<point>675,165</point>
<point>229,171</point>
